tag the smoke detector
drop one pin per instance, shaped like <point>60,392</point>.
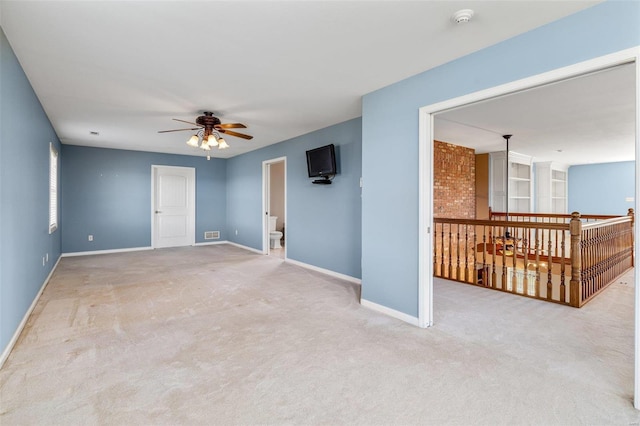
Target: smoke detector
<point>462,16</point>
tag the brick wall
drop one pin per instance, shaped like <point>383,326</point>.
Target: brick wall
<point>454,185</point>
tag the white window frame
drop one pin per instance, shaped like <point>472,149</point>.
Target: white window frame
<point>53,188</point>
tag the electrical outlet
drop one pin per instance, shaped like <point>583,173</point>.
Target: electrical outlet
<point>42,260</point>
<point>236,232</point>
<point>90,237</point>
<point>47,257</point>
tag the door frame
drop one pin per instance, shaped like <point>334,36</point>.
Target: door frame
<point>192,201</point>
<point>266,188</point>
<point>425,175</point>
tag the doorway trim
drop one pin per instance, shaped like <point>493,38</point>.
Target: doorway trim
<point>425,174</point>
<point>192,202</point>
<point>266,185</point>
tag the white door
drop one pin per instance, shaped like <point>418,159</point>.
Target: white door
<point>173,206</point>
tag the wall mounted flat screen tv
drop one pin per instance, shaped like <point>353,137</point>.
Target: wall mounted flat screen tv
<point>321,162</point>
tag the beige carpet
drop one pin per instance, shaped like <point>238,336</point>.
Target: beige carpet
<point>219,335</point>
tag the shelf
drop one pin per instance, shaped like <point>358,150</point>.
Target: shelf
<point>510,177</point>
<point>551,187</point>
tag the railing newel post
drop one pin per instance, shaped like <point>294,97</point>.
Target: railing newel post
<point>575,227</point>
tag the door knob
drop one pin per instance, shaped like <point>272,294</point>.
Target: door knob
<point>158,211</point>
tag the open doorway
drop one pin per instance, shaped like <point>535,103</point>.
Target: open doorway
<point>583,127</point>
<point>274,207</point>
<point>427,118</point>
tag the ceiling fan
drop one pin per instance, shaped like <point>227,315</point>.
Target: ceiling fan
<point>208,129</point>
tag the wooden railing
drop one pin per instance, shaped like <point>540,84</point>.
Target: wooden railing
<point>606,252</point>
<point>549,217</point>
<point>558,258</point>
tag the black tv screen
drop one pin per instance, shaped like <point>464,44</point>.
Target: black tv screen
<point>321,161</point>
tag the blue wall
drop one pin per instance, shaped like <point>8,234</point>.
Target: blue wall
<point>602,188</point>
<point>107,193</point>
<point>323,226</point>
<point>25,134</point>
<point>390,265</point>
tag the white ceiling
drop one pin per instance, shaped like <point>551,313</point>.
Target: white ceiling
<point>283,68</point>
<point>588,119</point>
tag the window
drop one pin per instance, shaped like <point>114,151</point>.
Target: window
<point>53,189</point>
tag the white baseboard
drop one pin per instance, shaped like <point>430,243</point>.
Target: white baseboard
<point>391,312</point>
<point>90,253</point>
<point>211,243</point>
<point>245,247</point>
<point>7,350</point>
<point>325,271</point>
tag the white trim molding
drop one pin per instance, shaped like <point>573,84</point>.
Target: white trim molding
<point>16,335</point>
<point>91,253</point>
<point>390,312</point>
<point>636,384</point>
<point>325,271</point>
<point>245,247</point>
<point>212,243</point>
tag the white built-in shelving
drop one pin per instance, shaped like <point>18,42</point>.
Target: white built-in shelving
<point>551,187</point>
<point>520,182</point>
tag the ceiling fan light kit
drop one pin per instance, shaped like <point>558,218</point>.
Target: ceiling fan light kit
<point>222,144</point>
<point>208,132</point>
<point>212,141</point>
<point>193,141</point>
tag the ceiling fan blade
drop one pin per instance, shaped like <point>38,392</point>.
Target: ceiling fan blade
<point>185,121</point>
<point>178,130</point>
<point>236,134</point>
<point>230,126</point>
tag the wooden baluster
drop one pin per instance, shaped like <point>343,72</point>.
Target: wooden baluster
<point>593,249</point>
<point>504,262</point>
<point>598,254</point>
<point>563,290</point>
<point>575,292</point>
<point>442,251</point>
<point>474,258</point>
<point>435,249</point>
<point>485,276</point>
<point>537,250</point>
<point>586,267</point>
<point>466,254</point>
<point>514,257</point>
<point>493,257</point>
<point>525,249</point>
<point>604,251</point>
<point>602,257</point>
<point>549,267</point>
<point>449,251</point>
<point>593,261</point>
<point>458,271</point>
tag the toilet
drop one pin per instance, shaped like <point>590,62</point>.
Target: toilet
<point>274,236</point>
